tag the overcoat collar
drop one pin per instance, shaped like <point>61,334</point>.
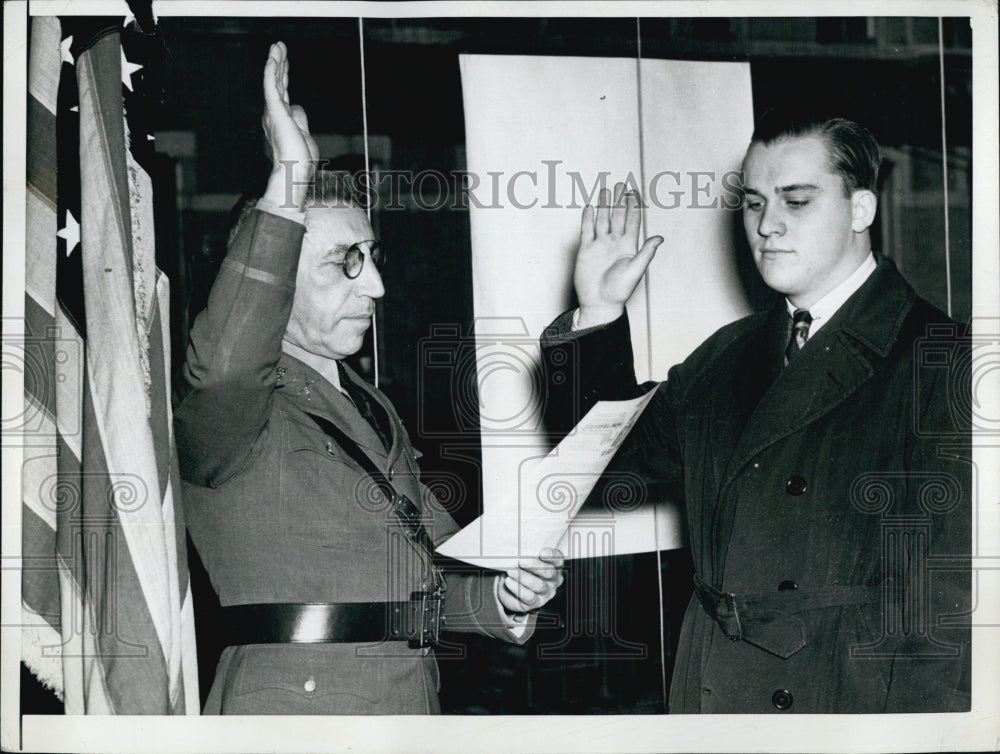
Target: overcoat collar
<point>778,401</point>
<point>308,390</point>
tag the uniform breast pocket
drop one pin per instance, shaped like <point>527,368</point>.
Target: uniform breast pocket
<point>326,501</point>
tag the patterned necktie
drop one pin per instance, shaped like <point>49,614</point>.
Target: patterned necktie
<point>360,399</point>
<point>801,320</point>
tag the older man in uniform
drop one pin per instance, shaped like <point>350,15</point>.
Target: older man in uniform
<point>823,462</point>
<point>302,491</point>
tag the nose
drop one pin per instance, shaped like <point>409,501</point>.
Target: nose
<point>771,222</point>
<point>369,282</point>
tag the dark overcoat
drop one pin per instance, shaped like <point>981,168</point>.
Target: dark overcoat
<point>279,512</point>
<point>827,501</point>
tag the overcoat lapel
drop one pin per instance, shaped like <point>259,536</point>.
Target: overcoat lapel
<point>830,367</point>
<point>756,365</point>
<point>821,377</point>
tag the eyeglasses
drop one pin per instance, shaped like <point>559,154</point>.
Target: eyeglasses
<point>354,259</point>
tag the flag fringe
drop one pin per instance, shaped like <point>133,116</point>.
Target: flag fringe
<point>36,635</point>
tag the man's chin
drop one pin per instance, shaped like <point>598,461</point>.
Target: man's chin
<point>777,276</point>
<point>349,345</point>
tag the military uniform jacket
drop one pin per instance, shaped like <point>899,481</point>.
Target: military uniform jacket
<point>827,501</point>
<point>280,513</point>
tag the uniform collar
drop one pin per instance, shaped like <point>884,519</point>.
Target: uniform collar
<point>315,394</point>
<point>326,368</point>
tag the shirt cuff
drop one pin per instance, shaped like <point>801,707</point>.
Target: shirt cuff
<point>295,215</point>
<point>517,623</point>
<point>575,322</point>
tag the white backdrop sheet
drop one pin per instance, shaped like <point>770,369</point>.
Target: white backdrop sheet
<point>542,133</point>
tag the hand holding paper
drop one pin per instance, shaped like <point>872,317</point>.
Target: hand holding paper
<point>533,583</point>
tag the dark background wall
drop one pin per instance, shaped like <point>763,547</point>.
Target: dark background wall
<point>883,72</point>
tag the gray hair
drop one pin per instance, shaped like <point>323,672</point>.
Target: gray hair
<point>329,188</point>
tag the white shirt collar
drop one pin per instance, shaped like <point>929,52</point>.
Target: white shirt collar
<point>827,306</point>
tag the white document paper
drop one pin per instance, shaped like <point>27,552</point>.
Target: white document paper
<point>550,491</point>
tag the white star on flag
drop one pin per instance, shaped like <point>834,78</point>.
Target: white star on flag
<point>64,53</point>
<point>127,70</point>
<point>70,233</point>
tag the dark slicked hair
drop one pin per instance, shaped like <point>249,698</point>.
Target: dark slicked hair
<point>329,188</point>
<point>852,148</point>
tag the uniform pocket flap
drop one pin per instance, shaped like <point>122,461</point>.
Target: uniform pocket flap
<point>310,671</point>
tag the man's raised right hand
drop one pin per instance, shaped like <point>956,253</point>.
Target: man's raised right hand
<point>286,127</point>
<point>608,267</point>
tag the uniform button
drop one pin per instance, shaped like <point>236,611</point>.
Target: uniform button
<point>781,699</point>
<point>310,685</point>
<point>795,485</point>
<point>787,586</point>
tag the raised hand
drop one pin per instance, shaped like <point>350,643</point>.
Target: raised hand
<point>608,266</point>
<point>286,127</point>
<point>533,583</point>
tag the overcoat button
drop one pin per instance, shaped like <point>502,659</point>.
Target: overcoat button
<point>330,449</point>
<point>392,473</point>
<point>781,699</point>
<point>310,685</point>
<point>787,586</point>
<point>795,485</point>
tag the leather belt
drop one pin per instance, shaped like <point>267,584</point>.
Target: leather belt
<point>417,621</point>
<point>769,620</point>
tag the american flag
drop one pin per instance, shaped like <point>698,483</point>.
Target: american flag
<point>106,598</point>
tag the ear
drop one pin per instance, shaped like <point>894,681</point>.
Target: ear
<point>863,206</point>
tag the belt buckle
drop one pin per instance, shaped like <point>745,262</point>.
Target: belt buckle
<point>429,627</point>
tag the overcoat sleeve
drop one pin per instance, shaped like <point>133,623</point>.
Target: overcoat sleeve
<point>586,366</point>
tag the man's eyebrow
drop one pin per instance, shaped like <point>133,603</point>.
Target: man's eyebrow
<point>340,248</point>
<point>797,187</point>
